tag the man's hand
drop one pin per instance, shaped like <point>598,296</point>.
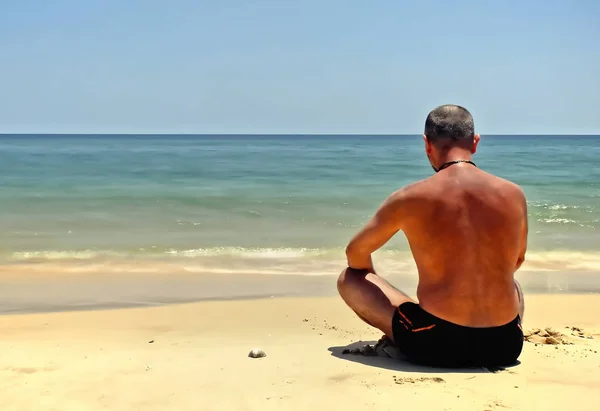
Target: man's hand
<point>379,230</point>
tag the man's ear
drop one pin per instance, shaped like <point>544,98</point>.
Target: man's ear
<point>476,140</point>
<point>427,145</point>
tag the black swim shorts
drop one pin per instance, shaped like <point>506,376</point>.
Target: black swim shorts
<point>427,339</point>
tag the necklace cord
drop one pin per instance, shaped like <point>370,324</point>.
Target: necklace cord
<point>449,163</point>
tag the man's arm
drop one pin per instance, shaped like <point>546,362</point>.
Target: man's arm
<point>379,230</point>
<point>524,233</point>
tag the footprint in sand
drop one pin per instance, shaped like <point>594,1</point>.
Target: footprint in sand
<point>495,404</point>
<point>409,380</point>
<point>325,326</point>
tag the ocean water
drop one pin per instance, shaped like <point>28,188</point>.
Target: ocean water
<point>262,204</point>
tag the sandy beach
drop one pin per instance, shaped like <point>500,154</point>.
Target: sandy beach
<point>195,357</point>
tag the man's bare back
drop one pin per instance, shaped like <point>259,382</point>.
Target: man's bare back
<point>467,230</point>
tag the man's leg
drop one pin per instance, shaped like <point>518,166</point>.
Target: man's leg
<point>372,298</point>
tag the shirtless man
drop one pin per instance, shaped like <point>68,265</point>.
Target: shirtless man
<point>467,231</point>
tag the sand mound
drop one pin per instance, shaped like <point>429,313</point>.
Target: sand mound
<point>550,336</point>
<point>383,348</point>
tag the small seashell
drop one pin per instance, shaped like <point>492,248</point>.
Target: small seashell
<point>257,353</point>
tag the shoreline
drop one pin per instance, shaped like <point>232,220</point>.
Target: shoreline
<point>95,291</point>
<point>133,305</point>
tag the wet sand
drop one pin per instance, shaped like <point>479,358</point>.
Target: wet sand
<point>96,289</point>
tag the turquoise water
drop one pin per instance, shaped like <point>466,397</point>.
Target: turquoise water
<point>283,204</point>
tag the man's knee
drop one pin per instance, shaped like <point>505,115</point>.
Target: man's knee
<point>344,280</point>
<point>349,279</point>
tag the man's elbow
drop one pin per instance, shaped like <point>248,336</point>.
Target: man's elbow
<point>520,261</point>
<point>349,249</point>
<point>356,254</point>
<point>352,250</point>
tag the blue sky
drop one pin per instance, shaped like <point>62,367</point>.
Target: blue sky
<point>304,66</point>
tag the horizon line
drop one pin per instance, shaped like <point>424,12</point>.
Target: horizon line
<point>290,134</point>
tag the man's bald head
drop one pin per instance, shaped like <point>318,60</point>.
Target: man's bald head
<point>450,125</point>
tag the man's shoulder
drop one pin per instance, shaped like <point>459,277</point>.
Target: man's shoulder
<point>421,188</point>
<point>511,193</point>
<point>411,190</point>
<point>409,196</point>
<point>508,186</point>
<point>431,187</point>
